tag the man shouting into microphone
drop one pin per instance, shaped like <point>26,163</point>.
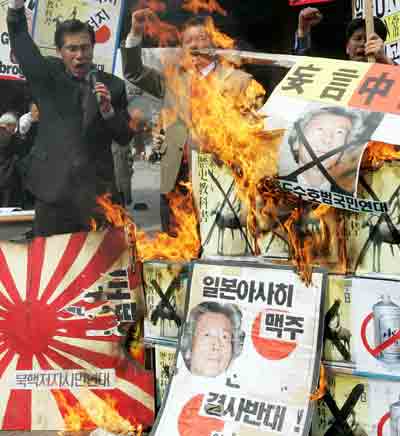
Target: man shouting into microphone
<point>81,112</point>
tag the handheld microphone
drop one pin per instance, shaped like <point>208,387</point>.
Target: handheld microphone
<point>92,79</point>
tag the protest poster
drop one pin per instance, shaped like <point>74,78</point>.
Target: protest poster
<point>338,336</point>
<point>66,302</point>
<point>164,368</point>
<point>331,110</point>
<point>374,242</point>
<point>389,12</point>
<point>222,214</point>
<point>8,69</point>
<point>362,324</point>
<point>103,16</point>
<point>249,352</point>
<point>358,406</point>
<point>165,286</point>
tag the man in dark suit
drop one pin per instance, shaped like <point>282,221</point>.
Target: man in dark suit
<point>175,90</point>
<point>81,112</point>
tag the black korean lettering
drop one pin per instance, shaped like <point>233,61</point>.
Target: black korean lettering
<point>228,289</point>
<point>210,286</point>
<point>230,408</point>
<point>274,323</point>
<point>301,76</point>
<point>215,404</point>
<point>294,325</point>
<point>249,409</point>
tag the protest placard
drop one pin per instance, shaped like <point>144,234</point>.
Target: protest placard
<point>65,304</point>
<point>103,16</point>
<point>331,110</point>
<point>248,354</point>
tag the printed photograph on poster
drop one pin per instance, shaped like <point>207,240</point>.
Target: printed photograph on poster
<point>164,368</point>
<point>165,292</point>
<point>338,336</point>
<point>324,146</point>
<point>348,409</point>
<point>374,241</point>
<point>244,318</point>
<point>376,326</point>
<point>359,406</point>
<point>223,215</point>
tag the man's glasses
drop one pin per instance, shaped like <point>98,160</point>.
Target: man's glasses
<point>84,48</point>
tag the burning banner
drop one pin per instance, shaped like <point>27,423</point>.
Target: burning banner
<point>250,331</point>
<point>66,302</point>
<point>103,17</point>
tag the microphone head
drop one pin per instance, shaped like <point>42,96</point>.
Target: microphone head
<point>92,77</point>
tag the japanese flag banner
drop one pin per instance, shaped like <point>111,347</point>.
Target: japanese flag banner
<point>308,2</point>
<point>64,304</point>
<point>248,355</point>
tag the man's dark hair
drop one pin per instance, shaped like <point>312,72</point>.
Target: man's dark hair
<point>72,26</point>
<point>200,20</point>
<point>359,23</point>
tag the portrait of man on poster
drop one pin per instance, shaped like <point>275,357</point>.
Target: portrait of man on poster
<point>325,146</point>
<point>212,338</point>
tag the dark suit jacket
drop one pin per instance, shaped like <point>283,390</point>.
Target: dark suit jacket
<point>177,133</point>
<point>71,163</point>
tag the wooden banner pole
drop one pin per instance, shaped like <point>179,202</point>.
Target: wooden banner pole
<point>369,22</point>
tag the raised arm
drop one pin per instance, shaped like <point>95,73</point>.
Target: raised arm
<point>148,79</point>
<point>33,64</point>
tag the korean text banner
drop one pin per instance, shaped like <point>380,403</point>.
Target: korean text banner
<point>9,70</point>
<point>330,110</point>
<point>248,354</point>
<point>103,16</point>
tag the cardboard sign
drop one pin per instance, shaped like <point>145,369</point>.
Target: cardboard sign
<point>63,301</point>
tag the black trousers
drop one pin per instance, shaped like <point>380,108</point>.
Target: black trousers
<point>57,219</point>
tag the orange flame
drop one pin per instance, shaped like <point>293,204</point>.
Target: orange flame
<point>219,39</point>
<point>209,6</point>
<point>184,245</point>
<point>378,152</point>
<point>136,345</point>
<point>92,412</point>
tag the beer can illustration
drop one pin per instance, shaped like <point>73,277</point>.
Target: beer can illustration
<point>395,419</point>
<point>387,324</point>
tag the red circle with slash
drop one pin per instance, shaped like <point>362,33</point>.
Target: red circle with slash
<point>382,347</point>
<point>272,349</point>
<point>191,422</point>
<point>382,423</point>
